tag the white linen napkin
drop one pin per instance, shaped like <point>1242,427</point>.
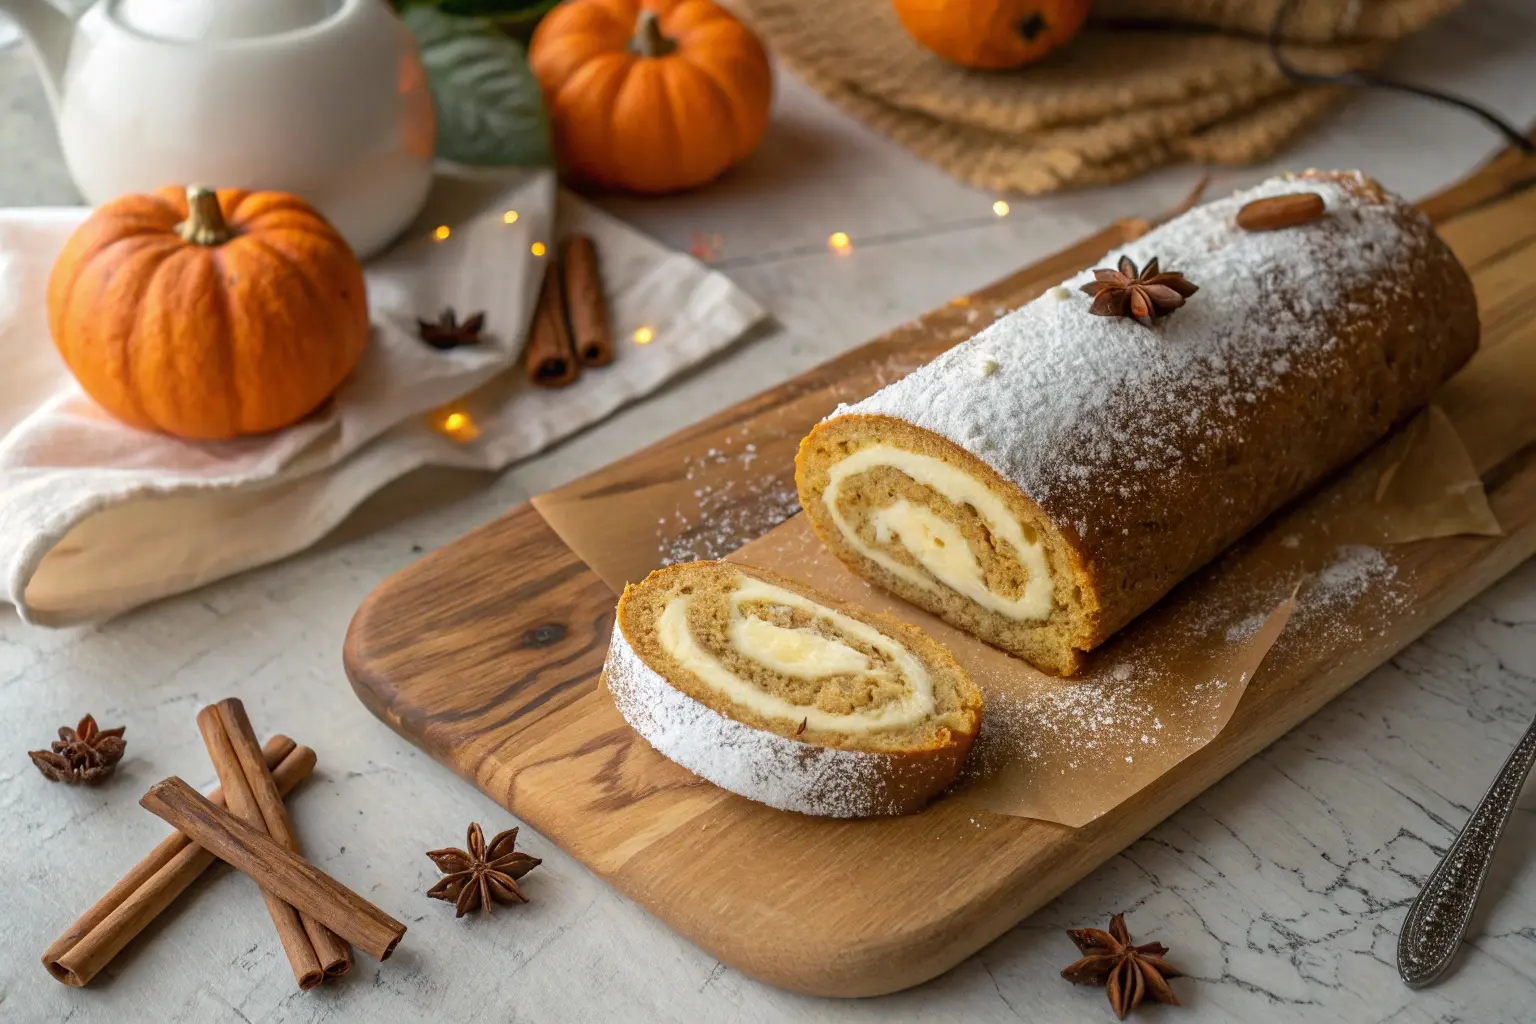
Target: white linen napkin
<point>97,517</point>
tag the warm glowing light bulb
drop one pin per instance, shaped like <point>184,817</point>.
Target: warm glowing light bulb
<point>839,241</point>
<point>442,232</point>
<point>644,335</point>
<point>538,249</point>
<point>1000,208</point>
<point>459,427</point>
<point>510,217</point>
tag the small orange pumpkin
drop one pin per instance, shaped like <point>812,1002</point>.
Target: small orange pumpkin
<point>992,34</point>
<point>654,99</point>
<point>208,315</point>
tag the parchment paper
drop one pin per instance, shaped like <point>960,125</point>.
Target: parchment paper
<point>1070,750</point>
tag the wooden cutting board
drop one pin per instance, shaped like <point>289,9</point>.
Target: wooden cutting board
<point>486,654</point>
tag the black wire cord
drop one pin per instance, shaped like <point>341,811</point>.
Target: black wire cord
<point>1363,79</point>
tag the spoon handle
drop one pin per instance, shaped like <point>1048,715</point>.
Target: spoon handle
<point>1438,919</point>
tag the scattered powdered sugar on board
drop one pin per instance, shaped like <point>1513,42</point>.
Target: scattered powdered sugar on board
<point>1355,570</point>
<point>730,513</point>
<point>1244,629</point>
<point>1358,580</point>
<point>1102,723</point>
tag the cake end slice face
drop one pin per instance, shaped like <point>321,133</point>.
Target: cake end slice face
<point>933,524</point>
<point>782,695</point>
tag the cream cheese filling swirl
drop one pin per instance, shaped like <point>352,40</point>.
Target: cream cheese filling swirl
<point>801,653</point>
<point>935,542</point>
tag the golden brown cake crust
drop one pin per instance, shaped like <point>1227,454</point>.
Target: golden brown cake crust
<point>1160,447</point>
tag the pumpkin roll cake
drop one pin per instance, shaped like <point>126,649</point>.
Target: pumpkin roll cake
<point>785,696</point>
<point>1044,483</point>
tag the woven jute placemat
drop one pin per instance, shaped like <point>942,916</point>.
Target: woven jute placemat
<point>1147,83</point>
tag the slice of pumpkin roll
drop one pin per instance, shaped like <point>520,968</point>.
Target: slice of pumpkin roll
<point>785,696</point>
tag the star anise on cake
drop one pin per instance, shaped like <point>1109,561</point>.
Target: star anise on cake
<point>1143,296</point>
<point>447,332</point>
<point>82,755</point>
<point>1129,973</point>
<point>480,876</point>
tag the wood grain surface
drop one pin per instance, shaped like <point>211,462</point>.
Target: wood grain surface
<point>486,654</point>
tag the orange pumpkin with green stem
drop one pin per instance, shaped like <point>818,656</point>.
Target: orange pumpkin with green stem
<point>208,315</point>
<point>991,34</point>
<point>654,98</point>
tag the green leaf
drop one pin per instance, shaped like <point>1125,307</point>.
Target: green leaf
<point>489,111</point>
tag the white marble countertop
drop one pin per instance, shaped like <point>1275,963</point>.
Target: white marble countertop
<point>1280,890</point>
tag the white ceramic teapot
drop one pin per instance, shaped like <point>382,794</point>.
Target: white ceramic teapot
<point>323,98</point>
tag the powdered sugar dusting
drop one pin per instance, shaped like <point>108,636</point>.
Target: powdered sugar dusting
<point>753,763</point>
<point>1085,727</point>
<point>1354,570</point>
<point>1357,576</point>
<point>1087,398</point>
<point>729,513</point>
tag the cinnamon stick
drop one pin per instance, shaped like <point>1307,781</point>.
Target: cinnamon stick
<point>550,359</point>
<point>276,869</point>
<point>591,331</point>
<point>238,797</point>
<point>89,944</point>
<point>335,956</point>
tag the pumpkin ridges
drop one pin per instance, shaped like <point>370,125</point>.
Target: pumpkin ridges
<point>95,235</point>
<point>266,216</point>
<point>340,298</point>
<point>341,322</point>
<point>226,334</point>
<point>244,206</point>
<point>275,355</point>
<point>568,23</point>
<point>687,86</point>
<point>643,127</point>
<point>172,345</point>
<point>567,61</point>
<point>290,220</point>
<point>154,209</point>
<point>133,219</point>
<point>136,354</point>
<point>273,352</point>
<point>688,15</point>
<point>594,87</point>
<point>102,358</point>
<point>749,111</point>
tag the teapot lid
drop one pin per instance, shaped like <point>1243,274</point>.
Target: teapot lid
<point>190,21</point>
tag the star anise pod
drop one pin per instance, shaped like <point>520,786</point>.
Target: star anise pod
<point>84,754</point>
<point>1129,973</point>
<point>478,877</point>
<point>1144,296</point>
<point>447,332</point>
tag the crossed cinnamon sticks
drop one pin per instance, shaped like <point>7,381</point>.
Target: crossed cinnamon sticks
<point>315,915</point>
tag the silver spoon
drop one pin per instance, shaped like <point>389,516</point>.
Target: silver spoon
<point>1433,930</point>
